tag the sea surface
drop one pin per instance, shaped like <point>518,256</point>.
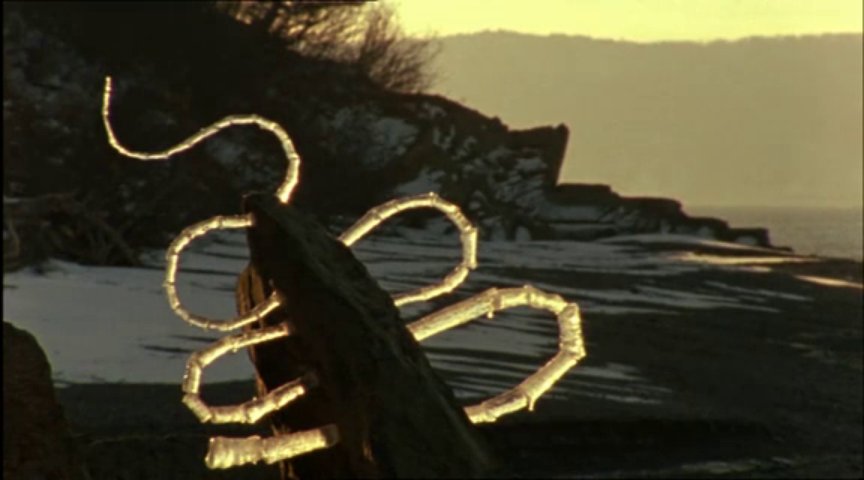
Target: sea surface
<point>823,231</point>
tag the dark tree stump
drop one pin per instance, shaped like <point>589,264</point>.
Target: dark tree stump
<point>396,417</point>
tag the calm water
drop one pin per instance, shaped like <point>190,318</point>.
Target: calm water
<point>830,232</point>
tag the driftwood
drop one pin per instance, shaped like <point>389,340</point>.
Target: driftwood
<point>395,416</point>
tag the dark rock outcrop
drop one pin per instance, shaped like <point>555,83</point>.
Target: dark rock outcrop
<point>36,442</point>
<point>361,145</point>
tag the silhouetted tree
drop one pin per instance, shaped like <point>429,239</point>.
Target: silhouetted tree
<point>365,35</point>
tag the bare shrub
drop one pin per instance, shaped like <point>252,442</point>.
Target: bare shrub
<point>365,35</point>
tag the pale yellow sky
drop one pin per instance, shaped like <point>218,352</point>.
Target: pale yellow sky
<point>636,20</point>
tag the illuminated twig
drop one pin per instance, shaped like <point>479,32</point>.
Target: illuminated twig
<point>292,175</point>
<point>251,411</point>
<point>571,347</point>
<point>226,452</point>
<point>467,234</point>
<point>172,259</point>
<point>231,452</point>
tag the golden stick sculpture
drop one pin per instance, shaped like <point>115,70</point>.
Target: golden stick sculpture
<point>226,452</point>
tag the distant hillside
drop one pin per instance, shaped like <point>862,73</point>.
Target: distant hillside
<point>68,194</point>
<point>763,121</point>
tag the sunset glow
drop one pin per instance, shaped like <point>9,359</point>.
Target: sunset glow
<point>636,20</point>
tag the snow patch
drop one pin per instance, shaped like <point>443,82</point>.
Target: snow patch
<point>427,180</point>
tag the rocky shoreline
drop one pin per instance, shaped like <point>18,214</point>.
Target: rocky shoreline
<point>361,145</point>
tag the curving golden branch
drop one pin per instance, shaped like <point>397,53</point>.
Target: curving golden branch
<point>251,411</point>
<point>467,235</point>
<point>571,347</point>
<point>172,260</point>
<point>292,174</point>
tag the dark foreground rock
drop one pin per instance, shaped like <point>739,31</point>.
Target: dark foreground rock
<point>36,442</point>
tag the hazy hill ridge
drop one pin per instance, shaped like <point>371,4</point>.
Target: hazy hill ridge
<point>361,145</point>
<point>760,121</point>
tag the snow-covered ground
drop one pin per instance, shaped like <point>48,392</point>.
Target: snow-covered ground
<point>106,324</point>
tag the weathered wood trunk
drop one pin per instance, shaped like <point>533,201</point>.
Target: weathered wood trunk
<point>396,417</point>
